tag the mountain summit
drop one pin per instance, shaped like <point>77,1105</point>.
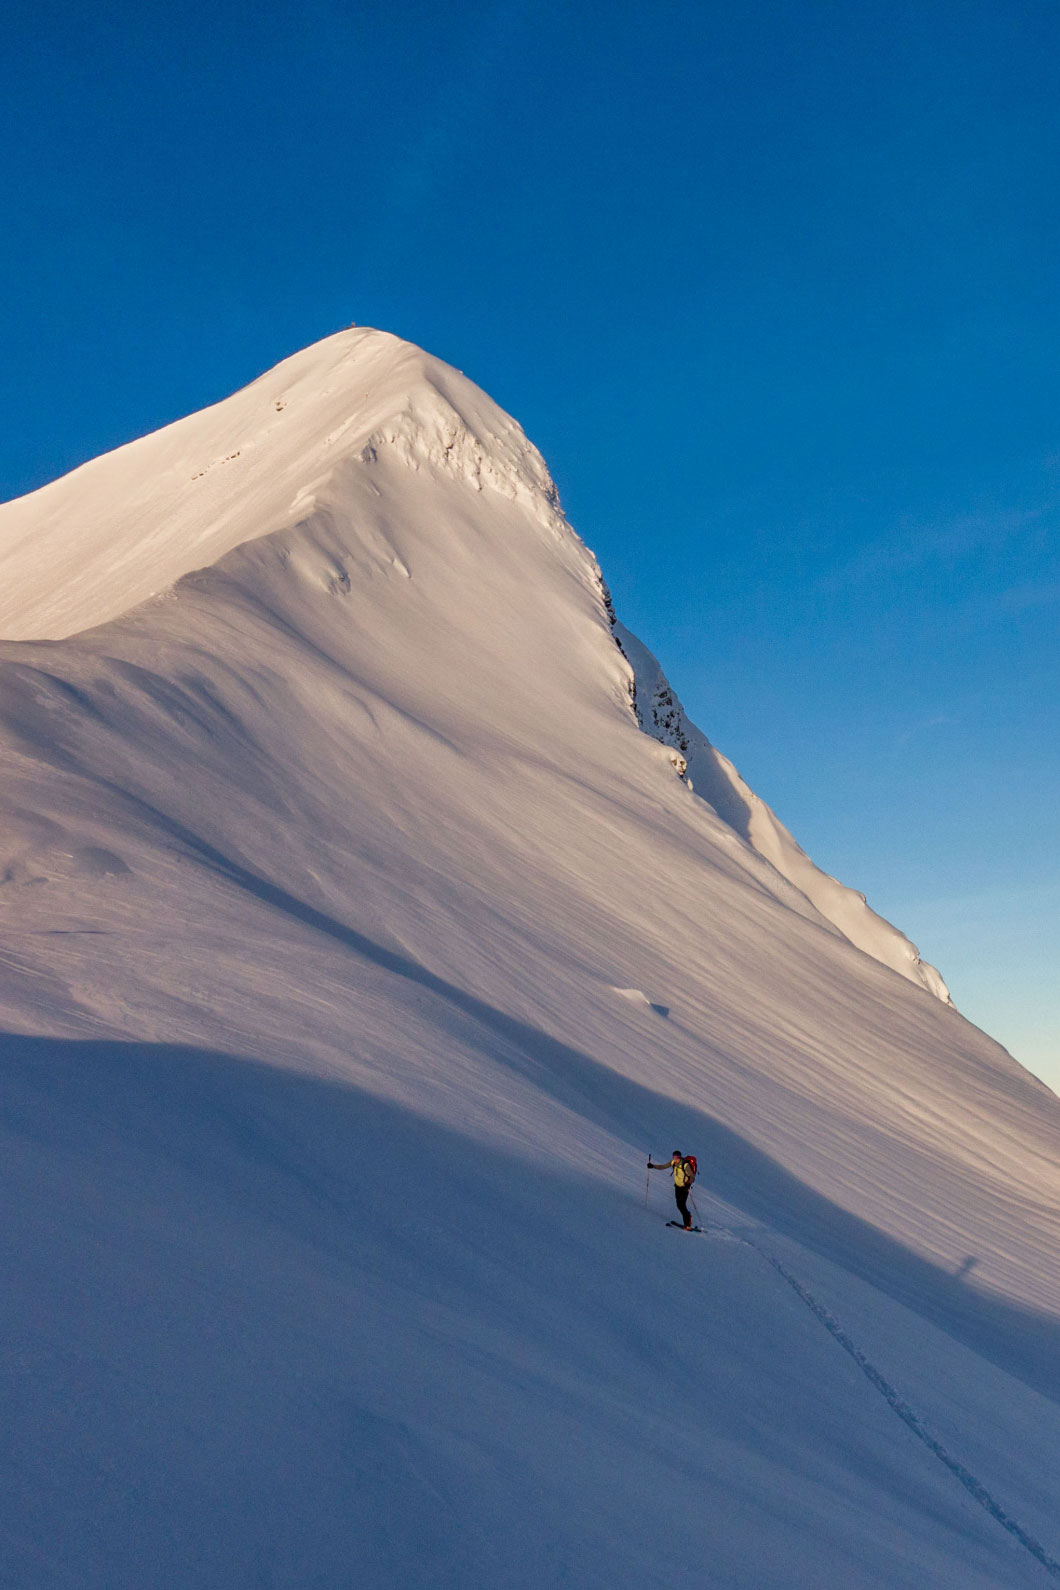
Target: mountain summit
<point>302,444</point>
<point>370,912</point>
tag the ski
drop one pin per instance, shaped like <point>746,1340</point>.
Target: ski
<point>719,1233</point>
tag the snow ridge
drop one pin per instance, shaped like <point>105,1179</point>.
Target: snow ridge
<point>336,873</point>
<point>127,526</point>
<point>715,779</point>
<point>438,436</point>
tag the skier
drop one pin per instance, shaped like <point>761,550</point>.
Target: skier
<point>683,1169</point>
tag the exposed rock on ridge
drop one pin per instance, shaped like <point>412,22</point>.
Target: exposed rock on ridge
<point>715,779</point>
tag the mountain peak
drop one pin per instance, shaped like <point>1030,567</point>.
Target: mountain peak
<point>124,527</point>
<point>357,950</point>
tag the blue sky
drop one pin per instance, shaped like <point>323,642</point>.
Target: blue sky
<point>774,286</point>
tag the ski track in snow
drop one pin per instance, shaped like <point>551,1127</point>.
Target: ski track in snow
<point>327,825</point>
<point>908,1416</point>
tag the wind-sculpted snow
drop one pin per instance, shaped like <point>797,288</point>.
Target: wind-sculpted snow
<point>715,779</point>
<point>128,525</point>
<point>912,1420</point>
<point>356,949</point>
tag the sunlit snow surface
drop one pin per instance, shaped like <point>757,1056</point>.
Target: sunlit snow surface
<point>358,947</point>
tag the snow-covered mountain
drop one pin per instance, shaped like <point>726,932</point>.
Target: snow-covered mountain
<point>357,946</point>
<point>659,712</point>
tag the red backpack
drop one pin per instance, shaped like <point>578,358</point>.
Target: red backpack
<point>690,1168</point>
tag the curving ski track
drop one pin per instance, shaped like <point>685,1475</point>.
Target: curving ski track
<point>907,1415</point>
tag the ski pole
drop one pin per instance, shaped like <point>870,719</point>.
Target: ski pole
<point>647,1181</point>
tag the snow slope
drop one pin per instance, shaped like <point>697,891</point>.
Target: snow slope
<point>356,947</point>
<point>714,779</point>
<point>125,526</point>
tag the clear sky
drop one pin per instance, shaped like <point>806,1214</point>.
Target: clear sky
<point>773,284</point>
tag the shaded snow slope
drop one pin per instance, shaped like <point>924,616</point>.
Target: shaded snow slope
<point>714,778</point>
<point>356,947</point>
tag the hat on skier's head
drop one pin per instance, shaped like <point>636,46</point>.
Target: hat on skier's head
<point>676,1154</point>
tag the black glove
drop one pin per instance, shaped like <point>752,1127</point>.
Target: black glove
<point>650,1165</point>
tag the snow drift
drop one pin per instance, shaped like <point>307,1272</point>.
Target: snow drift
<point>659,712</point>
<point>357,947</point>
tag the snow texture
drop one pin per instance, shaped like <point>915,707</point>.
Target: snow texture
<point>357,948</point>
<point>714,779</point>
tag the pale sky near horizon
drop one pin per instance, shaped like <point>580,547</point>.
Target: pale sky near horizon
<point>772,284</point>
